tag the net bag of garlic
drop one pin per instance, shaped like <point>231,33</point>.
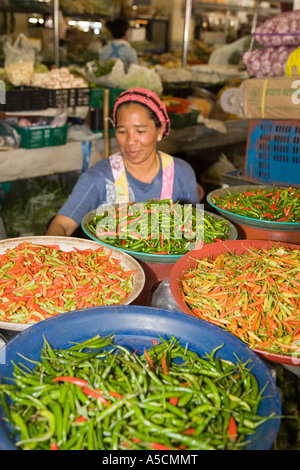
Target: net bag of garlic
<point>279,39</point>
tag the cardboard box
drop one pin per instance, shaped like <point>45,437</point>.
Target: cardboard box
<point>270,98</point>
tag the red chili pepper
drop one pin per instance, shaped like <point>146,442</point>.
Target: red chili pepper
<point>161,240</point>
<point>158,446</point>
<point>73,380</point>
<point>81,419</point>
<point>232,429</point>
<point>174,400</point>
<point>164,365</point>
<point>108,233</point>
<point>116,394</point>
<point>54,446</point>
<point>92,393</point>
<point>135,234</point>
<point>148,358</point>
<point>189,432</point>
<point>288,210</point>
<point>277,195</point>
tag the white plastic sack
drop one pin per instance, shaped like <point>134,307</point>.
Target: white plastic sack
<point>174,75</point>
<point>143,77</point>
<point>111,80</point>
<point>221,55</point>
<point>19,61</point>
<point>82,133</point>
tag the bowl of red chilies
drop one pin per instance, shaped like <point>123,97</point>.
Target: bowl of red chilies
<point>250,288</point>
<point>262,212</point>
<point>41,277</point>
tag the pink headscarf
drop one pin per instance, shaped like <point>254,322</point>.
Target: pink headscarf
<point>148,98</point>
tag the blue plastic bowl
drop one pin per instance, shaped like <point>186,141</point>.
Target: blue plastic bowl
<point>135,327</point>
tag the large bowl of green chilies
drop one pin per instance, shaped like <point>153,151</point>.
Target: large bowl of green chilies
<point>134,378</point>
<point>263,207</point>
<point>156,231</point>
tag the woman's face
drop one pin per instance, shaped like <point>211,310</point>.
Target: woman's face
<point>136,133</point>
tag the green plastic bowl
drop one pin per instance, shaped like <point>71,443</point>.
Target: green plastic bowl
<point>149,257</point>
<point>250,221</point>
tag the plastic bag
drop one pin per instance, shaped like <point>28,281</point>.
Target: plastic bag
<point>81,133</point>
<point>216,170</point>
<point>111,80</point>
<point>19,61</point>
<point>174,75</point>
<point>162,297</point>
<point>9,137</point>
<point>222,55</point>
<point>143,77</point>
<point>31,203</point>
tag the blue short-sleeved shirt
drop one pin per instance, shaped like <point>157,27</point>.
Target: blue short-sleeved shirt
<point>96,187</point>
<point>119,49</point>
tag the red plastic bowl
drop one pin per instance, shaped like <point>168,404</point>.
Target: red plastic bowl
<point>255,233</point>
<point>189,261</point>
<point>180,105</point>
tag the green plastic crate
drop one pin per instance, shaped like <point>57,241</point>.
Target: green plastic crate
<point>97,97</point>
<point>180,120</point>
<point>36,137</point>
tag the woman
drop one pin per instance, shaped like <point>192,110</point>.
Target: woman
<point>137,172</point>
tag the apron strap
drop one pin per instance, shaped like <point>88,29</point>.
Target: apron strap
<point>120,179</point>
<point>167,176</point>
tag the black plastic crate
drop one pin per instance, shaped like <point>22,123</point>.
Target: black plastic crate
<point>178,89</point>
<point>69,97</point>
<point>26,99</point>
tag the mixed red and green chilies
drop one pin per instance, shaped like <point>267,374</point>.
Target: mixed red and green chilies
<point>39,281</point>
<point>270,204</point>
<point>157,227</point>
<point>98,395</point>
<point>254,295</point>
